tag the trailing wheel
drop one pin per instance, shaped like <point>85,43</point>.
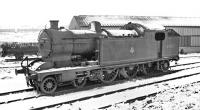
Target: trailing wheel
<point>48,85</point>
<point>164,66</point>
<point>131,71</point>
<point>79,82</point>
<point>107,76</point>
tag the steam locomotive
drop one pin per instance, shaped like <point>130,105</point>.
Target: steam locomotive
<point>75,56</point>
<point>18,49</point>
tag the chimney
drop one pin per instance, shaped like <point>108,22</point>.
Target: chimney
<point>54,24</point>
<point>95,26</point>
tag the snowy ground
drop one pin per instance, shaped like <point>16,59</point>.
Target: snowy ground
<point>168,99</point>
<point>7,77</point>
<point>186,97</point>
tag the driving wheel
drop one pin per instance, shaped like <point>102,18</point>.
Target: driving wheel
<point>146,69</point>
<point>131,71</point>
<point>79,82</point>
<point>107,76</point>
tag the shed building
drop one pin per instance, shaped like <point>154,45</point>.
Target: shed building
<point>187,27</point>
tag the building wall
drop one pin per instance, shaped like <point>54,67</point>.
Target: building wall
<point>195,41</point>
<point>190,41</point>
<point>186,30</point>
<point>189,49</point>
<point>190,35</point>
<point>185,41</point>
<point>74,25</point>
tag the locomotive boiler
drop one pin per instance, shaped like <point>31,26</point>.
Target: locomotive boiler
<point>75,56</point>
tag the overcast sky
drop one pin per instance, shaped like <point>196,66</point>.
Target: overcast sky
<point>38,12</point>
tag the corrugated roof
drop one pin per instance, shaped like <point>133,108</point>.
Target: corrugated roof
<point>149,21</point>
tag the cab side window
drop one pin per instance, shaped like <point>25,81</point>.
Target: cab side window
<point>159,36</point>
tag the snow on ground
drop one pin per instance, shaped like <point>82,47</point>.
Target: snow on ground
<point>186,97</point>
<point>8,80</point>
<point>8,83</point>
<point>189,55</point>
<point>185,59</point>
<point>130,94</point>
<point>21,95</point>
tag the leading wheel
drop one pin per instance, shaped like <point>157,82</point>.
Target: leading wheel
<point>32,83</point>
<point>164,66</point>
<point>79,82</point>
<point>107,76</point>
<point>48,85</point>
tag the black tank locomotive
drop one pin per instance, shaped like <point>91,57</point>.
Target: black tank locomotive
<point>97,54</point>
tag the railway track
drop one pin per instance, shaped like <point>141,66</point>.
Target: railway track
<point>91,86</point>
<point>129,101</point>
<point>193,56</point>
<point>185,64</point>
<point>116,91</point>
<point>93,97</point>
<point>18,98</point>
<point>11,96</point>
<point>17,91</point>
<point>10,66</point>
